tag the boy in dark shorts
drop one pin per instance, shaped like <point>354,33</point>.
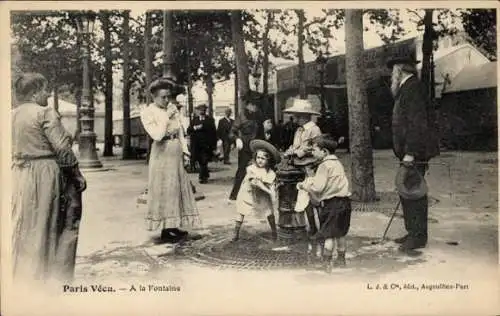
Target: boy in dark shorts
<point>330,188</point>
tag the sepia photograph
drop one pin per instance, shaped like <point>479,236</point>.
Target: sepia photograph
<point>256,158</point>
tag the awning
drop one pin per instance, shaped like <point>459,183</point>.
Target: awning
<point>474,77</point>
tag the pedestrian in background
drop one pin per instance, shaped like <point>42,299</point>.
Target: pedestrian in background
<point>203,136</point>
<point>271,133</point>
<point>223,130</point>
<point>289,129</point>
<point>246,127</point>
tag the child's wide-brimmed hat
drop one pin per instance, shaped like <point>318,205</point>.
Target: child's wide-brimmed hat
<point>410,184</point>
<point>168,81</point>
<point>258,144</point>
<point>301,106</point>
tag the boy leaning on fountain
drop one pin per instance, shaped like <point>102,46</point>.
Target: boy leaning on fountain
<point>330,187</point>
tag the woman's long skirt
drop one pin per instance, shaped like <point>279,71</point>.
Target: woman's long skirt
<point>35,210</point>
<point>171,201</point>
<point>46,211</point>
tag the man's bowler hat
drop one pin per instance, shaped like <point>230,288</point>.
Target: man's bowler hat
<point>406,60</point>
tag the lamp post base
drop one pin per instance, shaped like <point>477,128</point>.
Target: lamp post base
<point>88,155</point>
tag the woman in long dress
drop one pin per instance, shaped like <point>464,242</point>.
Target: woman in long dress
<point>171,203</point>
<point>47,186</point>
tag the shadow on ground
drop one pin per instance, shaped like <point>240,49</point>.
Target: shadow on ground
<point>256,251</point>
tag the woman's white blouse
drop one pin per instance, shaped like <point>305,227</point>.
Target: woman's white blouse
<point>160,122</point>
<point>156,120</point>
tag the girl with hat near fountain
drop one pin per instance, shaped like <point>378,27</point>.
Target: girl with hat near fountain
<point>171,202</point>
<point>257,194</point>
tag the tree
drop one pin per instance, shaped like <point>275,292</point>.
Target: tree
<point>481,26</point>
<point>240,53</point>
<point>300,54</point>
<point>363,185</point>
<point>46,42</point>
<point>108,90</point>
<point>427,45</point>
<point>127,149</point>
<point>266,50</point>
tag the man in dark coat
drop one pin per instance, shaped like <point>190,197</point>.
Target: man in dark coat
<point>204,139</point>
<point>271,133</point>
<point>414,143</point>
<point>223,131</point>
<point>289,129</point>
<point>246,127</point>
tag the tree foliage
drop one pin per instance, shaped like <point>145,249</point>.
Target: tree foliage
<point>481,26</point>
<point>46,44</point>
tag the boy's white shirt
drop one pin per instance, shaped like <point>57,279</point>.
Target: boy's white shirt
<point>329,180</point>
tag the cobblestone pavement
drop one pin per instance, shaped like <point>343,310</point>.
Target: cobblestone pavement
<point>114,243</point>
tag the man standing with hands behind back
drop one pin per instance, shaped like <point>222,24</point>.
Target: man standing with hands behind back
<point>414,143</point>
<point>204,139</point>
<point>223,130</point>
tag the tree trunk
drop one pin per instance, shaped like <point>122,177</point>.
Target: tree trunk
<point>300,54</point>
<point>127,149</point>
<point>189,76</point>
<point>108,92</point>
<point>168,40</point>
<point>427,52</point>
<point>209,83</point>
<point>210,93</point>
<point>236,100</point>
<point>78,92</point>
<point>190,92</point>
<point>148,63</point>
<point>148,69</point>
<point>240,53</point>
<point>265,61</point>
<point>362,180</point>
<point>56,96</point>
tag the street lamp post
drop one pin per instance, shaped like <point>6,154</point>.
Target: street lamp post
<point>87,139</point>
<point>321,67</point>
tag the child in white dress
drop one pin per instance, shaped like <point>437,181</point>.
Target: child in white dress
<point>257,194</point>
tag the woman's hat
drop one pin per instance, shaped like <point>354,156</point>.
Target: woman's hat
<point>257,144</point>
<point>410,184</point>
<point>168,81</point>
<point>407,60</point>
<point>301,106</point>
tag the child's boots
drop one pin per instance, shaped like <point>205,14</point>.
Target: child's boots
<point>314,255</point>
<point>327,261</point>
<point>272,222</point>
<point>237,228</point>
<point>340,260</point>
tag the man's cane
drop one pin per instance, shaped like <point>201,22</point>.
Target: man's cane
<point>388,224</point>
